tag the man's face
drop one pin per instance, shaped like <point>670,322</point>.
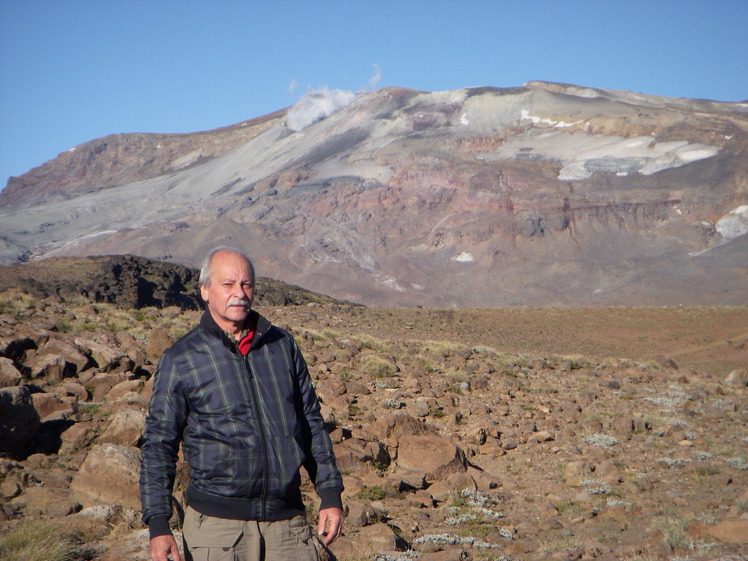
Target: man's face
<point>231,291</point>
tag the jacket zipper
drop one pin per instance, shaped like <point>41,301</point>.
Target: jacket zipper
<point>261,430</point>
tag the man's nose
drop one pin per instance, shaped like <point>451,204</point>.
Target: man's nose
<point>241,292</point>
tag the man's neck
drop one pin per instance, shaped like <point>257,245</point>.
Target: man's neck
<point>232,329</point>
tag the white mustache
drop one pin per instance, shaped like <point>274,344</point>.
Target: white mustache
<point>237,302</point>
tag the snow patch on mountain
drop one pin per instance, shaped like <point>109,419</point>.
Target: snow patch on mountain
<point>583,154</point>
<point>734,223</point>
<point>545,121</point>
<point>464,257</point>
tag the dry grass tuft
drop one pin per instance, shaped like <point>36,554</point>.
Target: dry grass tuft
<point>36,541</point>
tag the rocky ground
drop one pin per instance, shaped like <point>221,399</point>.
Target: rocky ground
<point>611,434</point>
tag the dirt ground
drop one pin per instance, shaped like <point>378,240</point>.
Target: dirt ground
<point>710,340</point>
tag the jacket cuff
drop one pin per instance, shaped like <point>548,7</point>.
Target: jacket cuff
<point>330,498</point>
<point>158,526</point>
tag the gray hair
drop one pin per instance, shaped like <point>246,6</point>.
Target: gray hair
<point>205,268</point>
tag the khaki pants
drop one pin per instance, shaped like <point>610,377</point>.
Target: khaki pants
<point>217,539</point>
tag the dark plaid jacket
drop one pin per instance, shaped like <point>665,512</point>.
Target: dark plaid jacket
<point>247,425</point>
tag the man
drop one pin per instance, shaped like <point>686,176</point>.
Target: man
<point>236,392</point>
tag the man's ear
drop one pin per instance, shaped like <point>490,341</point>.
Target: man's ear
<point>204,293</point>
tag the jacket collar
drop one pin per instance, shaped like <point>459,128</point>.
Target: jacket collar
<point>208,324</point>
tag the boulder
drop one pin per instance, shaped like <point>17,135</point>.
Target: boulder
<point>9,374</point>
<point>357,388</point>
<point>158,342</point>
<point>353,454</point>
<point>390,427</point>
<point>430,453</point>
<point>737,378</point>
<point>119,390</point>
<point>360,514</point>
<point>77,436</point>
<point>49,501</point>
<point>19,421</point>
<point>576,472</point>
<point>125,428</point>
<point>50,367</point>
<point>102,383</point>
<point>10,488</point>
<point>608,472</point>
<point>98,521</point>
<point>51,407</point>
<point>409,479</point>
<point>367,541</point>
<point>336,403</point>
<point>16,342</point>
<point>106,357</point>
<point>131,347</point>
<point>73,354</point>
<point>70,388</point>
<point>108,475</point>
<point>422,406</point>
<point>726,531</point>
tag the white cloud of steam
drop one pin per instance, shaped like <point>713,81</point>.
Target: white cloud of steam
<point>374,81</point>
<point>317,105</point>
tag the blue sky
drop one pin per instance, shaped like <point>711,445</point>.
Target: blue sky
<point>75,70</point>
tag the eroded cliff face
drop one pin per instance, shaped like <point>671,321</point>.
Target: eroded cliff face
<point>546,194</point>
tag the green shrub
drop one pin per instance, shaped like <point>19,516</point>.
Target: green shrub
<point>374,493</point>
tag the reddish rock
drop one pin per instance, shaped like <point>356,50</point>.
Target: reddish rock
<point>51,407</point>
<point>50,367</point>
<point>70,388</point>
<point>9,374</point>
<point>119,390</point>
<point>73,354</point>
<point>103,382</point>
<point>391,427</point>
<point>48,501</point>
<point>125,428</point>
<point>353,454</point>
<point>108,475</point>
<point>106,357</point>
<point>726,531</point>
<point>158,342</point>
<point>737,378</point>
<point>430,453</point>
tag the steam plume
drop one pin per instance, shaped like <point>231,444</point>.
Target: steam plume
<point>316,105</point>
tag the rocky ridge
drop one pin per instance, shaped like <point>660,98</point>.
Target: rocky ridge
<point>449,449</point>
<point>546,194</point>
<point>129,281</point>
<point>120,159</point>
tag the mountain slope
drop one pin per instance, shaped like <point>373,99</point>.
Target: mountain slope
<point>547,194</point>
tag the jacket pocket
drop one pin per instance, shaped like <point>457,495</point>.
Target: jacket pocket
<point>288,457</point>
<point>210,461</point>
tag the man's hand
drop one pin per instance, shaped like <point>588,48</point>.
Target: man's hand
<point>330,524</point>
<point>164,546</point>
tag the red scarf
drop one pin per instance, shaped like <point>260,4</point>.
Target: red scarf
<point>246,342</point>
